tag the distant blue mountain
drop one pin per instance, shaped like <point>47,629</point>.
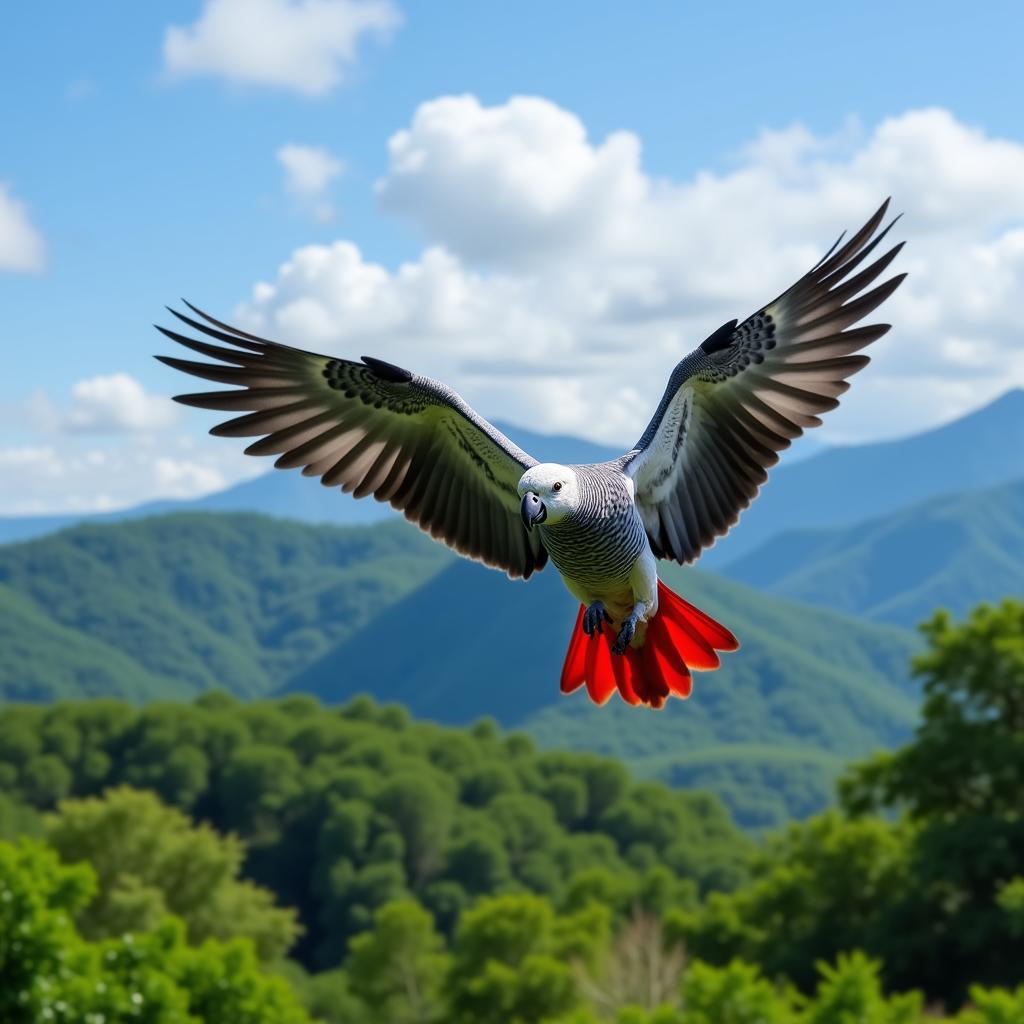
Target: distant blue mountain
<point>947,552</point>
<point>844,486</point>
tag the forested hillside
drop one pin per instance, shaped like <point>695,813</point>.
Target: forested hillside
<point>847,485</point>
<point>280,863</point>
<point>948,552</point>
<point>808,690</point>
<point>175,605</point>
<point>345,809</point>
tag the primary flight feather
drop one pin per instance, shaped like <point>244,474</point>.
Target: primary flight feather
<point>729,408</point>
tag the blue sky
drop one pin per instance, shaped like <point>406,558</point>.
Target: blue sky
<point>139,179</point>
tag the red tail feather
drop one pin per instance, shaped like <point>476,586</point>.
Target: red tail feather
<point>679,638</point>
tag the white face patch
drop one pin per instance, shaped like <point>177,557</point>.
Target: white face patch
<point>556,486</point>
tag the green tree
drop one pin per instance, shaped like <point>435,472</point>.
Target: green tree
<point>993,1006</point>
<point>851,993</point>
<point>342,810</point>
<point>825,884</point>
<point>17,820</point>
<point>932,894</point>
<point>513,961</point>
<point>422,813</point>
<point>48,972</point>
<point>397,967</point>
<point>38,897</point>
<point>967,755</point>
<point>150,860</point>
<point>960,780</point>
<point>734,994</point>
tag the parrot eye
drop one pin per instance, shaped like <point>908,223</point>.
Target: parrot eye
<point>557,487</point>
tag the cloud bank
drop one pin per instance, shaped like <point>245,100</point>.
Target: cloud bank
<point>111,445</point>
<point>561,281</point>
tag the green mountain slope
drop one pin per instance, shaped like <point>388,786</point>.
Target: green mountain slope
<point>845,486</point>
<point>949,552</point>
<point>173,605</point>
<point>45,661</point>
<point>469,643</point>
<point>177,604</point>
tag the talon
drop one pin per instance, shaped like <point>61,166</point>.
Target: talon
<point>625,636</point>
<point>592,619</point>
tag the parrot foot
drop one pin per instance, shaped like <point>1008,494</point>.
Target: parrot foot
<point>622,641</point>
<point>594,619</point>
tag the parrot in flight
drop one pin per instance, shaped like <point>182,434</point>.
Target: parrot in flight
<point>730,407</point>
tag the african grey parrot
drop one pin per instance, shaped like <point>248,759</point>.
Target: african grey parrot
<point>729,408</point>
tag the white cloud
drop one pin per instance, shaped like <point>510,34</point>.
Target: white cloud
<point>309,171</point>
<point>117,403</point>
<point>53,479</point>
<point>182,478</point>
<point>562,281</point>
<point>526,168</point>
<point>21,245</point>
<point>109,447</point>
<point>302,45</point>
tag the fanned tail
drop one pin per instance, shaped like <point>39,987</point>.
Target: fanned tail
<point>679,639</point>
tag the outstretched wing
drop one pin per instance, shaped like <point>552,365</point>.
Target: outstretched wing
<point>746,392</point>
<point>371,428</point>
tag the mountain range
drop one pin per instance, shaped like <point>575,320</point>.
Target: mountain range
<point>171,605</point>
<point>946,552</point>
<point>469,643</point>
<point>855,545</point>
<point>292,496</point>
<point>846,485</point>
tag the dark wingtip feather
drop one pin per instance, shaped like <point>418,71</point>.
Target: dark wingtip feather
<point>388,371</point>
<point>832,249</point>
<point>227,327</point>
<point>857,242</point>
<point>721,338</point>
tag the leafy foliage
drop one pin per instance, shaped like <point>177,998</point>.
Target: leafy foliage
<point>398,965</point>
<point>810,686</point>
<point>935,895</point>
<point>342,811</point>
<point>150,861</point>
<point>48,972</point>
<point>460,876</point>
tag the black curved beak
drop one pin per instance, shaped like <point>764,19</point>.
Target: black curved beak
<point>533,510</point>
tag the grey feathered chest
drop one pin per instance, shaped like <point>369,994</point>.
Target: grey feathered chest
<point>598,544</point>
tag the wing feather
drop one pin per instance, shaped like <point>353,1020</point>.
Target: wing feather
<point>742,397</point>
<point>369,428</point>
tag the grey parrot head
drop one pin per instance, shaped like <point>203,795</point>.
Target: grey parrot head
<point>549,492</point>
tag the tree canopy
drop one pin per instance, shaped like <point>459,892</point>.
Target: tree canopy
<point>340,811</point>
<point>936,894</point>
<point>459,876</point>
